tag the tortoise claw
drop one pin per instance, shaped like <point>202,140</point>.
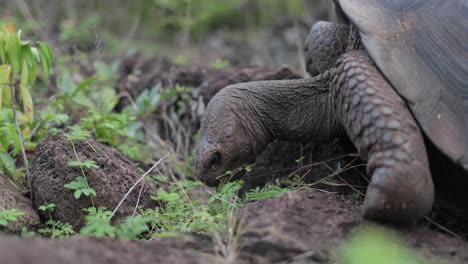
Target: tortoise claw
<point>401,195</point>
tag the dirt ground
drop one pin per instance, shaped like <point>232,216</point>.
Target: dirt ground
<point>298,227</point>
<point>305,226</point>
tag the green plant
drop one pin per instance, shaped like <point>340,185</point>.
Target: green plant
<point>8,139</point>
<point>97,223</point>
<point>57,229</point>
<point>90,164</point>
<point>178,212</point>
<point>81,186</point>
<point>25,233</point>
<point>93,99</point>
<point>372,245</point>
<point>18,71</point>
<point>10,215</point>
<point>265,193</point>
<point>227,194</point>
<point>50,207</point>
<point>133,227</point>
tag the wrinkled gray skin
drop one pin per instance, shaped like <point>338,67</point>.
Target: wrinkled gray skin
<point>347,96</point>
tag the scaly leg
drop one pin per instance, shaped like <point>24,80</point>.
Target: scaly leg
<point>324,44</point>
<point>386,134</point>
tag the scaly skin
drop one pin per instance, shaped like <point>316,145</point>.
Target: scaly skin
<point>243,118</point>
<point>385,133</point>
<point>325,43</point>
<point>350,94</point>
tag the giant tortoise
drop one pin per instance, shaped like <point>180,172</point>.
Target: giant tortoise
<point>393,77</point>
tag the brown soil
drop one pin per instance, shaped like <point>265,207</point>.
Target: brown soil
<point>302,227</point>
<point>317,223</point>
<point>312,162</point>
<point>299,227</point>
<point>187,249</point>
<point>112,179</point>
<point>137,74</point>
<point>11,197</point>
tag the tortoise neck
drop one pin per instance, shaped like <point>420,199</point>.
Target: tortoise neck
<point>292,110</point>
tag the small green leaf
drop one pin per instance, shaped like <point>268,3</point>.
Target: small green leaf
<point>14,52</point>
<point>6,95</point>
<point>16,140</point>
<point>45,53</point>
<point>77,134</point>
<point>24,93</point>
<point>47,49</point>
<point>5,71</point>
<point>32,75</point>
<point>10,215</point>
<point>300,159</point>
<point>84,84</point>
<point>25,233</point>
<point>81,186</point>
<point>8,134</point>
<point>35,53</point>
<point>7,163</point>
<point>75,163</point>
<point>22,42</point>
<point>90,164</point>
<point>72,185</point>
<point>28,55</point>
<point>47,207</point>
<point>77,194</point>
<point>45,64</point>
<point>3,54</point>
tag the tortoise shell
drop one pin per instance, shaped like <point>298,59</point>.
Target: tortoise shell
<point>421,47</point>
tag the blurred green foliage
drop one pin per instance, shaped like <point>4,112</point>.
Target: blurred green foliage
<point>86,23</point>
<point>373,245</point>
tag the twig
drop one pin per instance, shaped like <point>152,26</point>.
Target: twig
<point>136,183</point>
<point>441,227</point>
<point>138,200</point>
<point>18,130</point>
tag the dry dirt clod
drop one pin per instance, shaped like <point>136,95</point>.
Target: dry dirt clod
<point>112,179</point>
<point>186,249</point>
<point>11,198</point>
<point>315,224</point>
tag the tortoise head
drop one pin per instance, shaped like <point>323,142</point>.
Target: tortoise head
<point>225,146</point>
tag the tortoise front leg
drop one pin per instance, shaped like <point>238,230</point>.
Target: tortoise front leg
<point>324,44</point>
<point>385,133</point>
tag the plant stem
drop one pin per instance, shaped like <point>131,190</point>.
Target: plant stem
<point>81,168</point>
<point>136,183</point>
<point>20,135</point>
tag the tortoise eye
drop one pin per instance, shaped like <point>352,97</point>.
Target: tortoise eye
<point>215,160</point>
